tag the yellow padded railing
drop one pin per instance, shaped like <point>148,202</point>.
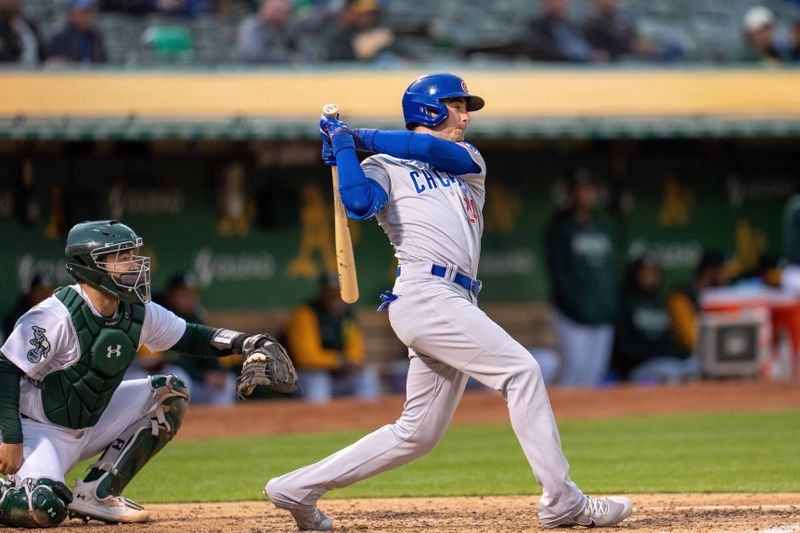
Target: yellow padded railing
<point>509,94</point>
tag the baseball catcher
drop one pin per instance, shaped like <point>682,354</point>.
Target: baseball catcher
<point>63,396</point>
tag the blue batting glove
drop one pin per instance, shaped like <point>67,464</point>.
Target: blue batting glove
<point>330,127</point>
<point>328,157</point>
<point>337,135</point>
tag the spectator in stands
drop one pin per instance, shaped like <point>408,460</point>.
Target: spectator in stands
<point>19,38</point>
<point>684,304</point>
<point>328,349</point>
<point>643,348</point>
<point>41,287</point>
<point>210,382</point>
<point>356,35</point>
<point>269,36</point>
<point>78,41</point>
<point>581,265</point>
<point>794,47</point>
<point>760,46</point>
<point>552,37</point>
<point>613,35</point>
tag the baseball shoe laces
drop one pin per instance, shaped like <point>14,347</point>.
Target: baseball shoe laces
<point>599,512</point>
<point>311,518</point>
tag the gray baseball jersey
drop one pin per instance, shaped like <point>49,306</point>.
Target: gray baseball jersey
<point>432,215</point>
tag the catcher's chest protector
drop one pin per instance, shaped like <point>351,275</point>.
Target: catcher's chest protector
<point>77,396</point>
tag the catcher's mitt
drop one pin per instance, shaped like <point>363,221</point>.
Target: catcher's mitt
<point>266,363</point>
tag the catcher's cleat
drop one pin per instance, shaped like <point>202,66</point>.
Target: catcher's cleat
<point>112,509</point>
<point>599,512</point>
<point>307,517</point>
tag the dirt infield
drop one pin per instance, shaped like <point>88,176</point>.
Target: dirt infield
<point>652,513</point>
<point>772,513</point>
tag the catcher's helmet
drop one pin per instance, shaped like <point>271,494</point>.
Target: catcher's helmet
<point>422,101</point>
<point>93,250</point>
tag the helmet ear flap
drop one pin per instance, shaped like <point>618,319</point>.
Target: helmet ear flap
<point>436,112</point>
<point>431,112</point>
<point>423,111</point>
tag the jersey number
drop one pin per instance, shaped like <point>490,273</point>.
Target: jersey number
<point>470,209</point>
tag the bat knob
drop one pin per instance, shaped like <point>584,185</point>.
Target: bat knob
<point>330,110</point>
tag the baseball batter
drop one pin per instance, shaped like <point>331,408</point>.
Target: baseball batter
<point>427,189</point>
<point>62,398</point>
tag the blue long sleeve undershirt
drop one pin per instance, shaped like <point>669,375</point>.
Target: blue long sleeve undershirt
<point>363,197</point>
<point>442,154</point>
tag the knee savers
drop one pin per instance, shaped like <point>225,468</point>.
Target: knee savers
<point>33,502</point>
<point>142,440</point>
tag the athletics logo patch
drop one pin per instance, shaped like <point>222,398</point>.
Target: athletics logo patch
<point>41,346</point>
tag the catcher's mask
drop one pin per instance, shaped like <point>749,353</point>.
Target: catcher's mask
<point>96,256</point>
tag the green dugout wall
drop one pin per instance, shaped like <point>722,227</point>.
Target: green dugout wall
<point>255,222</point>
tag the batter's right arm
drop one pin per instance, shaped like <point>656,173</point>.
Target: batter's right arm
<point>361,196</point>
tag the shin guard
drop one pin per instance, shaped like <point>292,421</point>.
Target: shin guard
<point>124,457</point>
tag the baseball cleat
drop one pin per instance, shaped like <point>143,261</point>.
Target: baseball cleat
<point>599,512</point>
<point>112,509</point>
<point>307,517</point>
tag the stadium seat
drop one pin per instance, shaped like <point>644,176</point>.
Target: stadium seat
<point>214,39</point>
<point>121,34</point>
<point>168,44</point>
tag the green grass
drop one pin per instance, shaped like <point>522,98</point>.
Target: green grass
<point>742,452</point>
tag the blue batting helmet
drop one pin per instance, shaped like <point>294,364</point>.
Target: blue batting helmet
<point>422,101</point>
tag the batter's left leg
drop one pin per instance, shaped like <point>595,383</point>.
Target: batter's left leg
<point>466,338</point>
<point>433,392</point>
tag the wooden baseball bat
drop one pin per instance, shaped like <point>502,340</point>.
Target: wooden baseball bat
<point>345,260</point>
